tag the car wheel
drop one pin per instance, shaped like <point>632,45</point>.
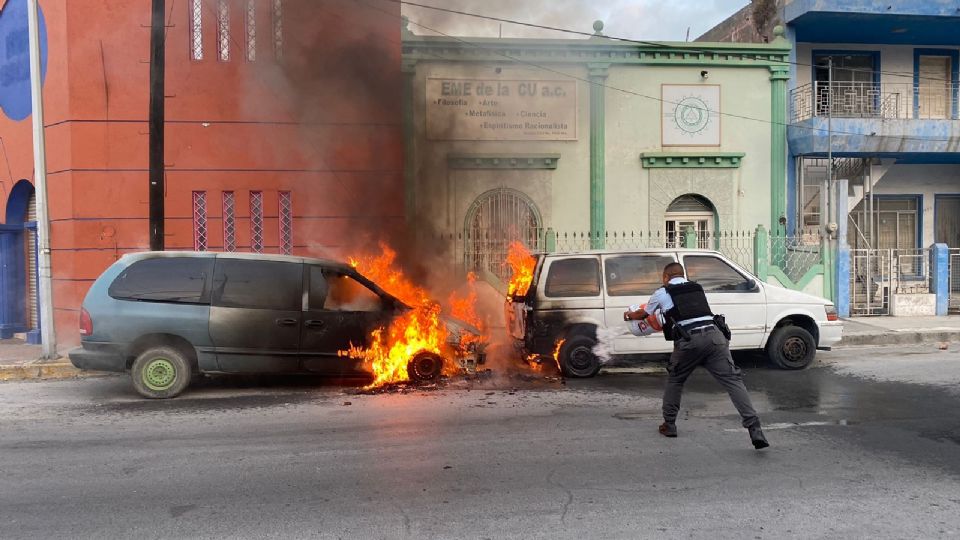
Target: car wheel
<point>791,347</point>
<point>160,373</point>
<point>576,357</point>
<point>425,367</point>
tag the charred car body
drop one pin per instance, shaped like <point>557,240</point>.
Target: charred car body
<point>573,295</point>
<point>165,316</point>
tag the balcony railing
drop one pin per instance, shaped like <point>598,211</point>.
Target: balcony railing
<point>873,100</point>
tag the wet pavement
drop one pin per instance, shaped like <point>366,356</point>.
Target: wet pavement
<point>865,444</point>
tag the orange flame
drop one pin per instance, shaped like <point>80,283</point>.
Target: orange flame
<point>556,352</point>
<point>465,309</point>
<point>521,264</point>
<point>419,330</point>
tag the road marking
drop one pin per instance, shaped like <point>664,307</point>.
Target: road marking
<point>790,425</point>
<point>633,370</point>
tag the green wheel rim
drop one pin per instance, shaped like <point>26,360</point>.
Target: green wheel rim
<point>159,374</point>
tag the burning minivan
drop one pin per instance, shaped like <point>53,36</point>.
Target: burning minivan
<point>167,316</point>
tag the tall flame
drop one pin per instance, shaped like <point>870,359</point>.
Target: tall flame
<point>522,265</point>
<point>465,309</point>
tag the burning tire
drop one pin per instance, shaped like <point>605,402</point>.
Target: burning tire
<point>576,357</point>
<point>425,367</point>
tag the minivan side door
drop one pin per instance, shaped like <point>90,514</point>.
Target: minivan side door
<point>733,294</point>
<point>630,279</point>
<point>255,315</point>
<point>341,312</point>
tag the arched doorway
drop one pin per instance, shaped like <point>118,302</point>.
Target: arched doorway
<point>693,212</point>
<point>497,218</point>
<point>19,302</point>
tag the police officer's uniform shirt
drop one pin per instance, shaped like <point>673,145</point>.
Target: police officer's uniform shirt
<point>661,300</point>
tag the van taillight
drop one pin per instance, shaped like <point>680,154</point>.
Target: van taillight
<point>832,313</point>
<point>86,323</point>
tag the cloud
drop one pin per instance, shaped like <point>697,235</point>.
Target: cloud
<point>634,19</point>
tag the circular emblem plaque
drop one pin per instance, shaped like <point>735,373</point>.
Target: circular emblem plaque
<point>691,115</point>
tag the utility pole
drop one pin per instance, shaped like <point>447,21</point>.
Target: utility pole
<point>156,119</point>
<point>831,204</point>
<point>48,336</point>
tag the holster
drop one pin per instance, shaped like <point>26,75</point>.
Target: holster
<point>721,322</point>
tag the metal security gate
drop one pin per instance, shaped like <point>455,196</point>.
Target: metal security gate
<point>871,273</point>
<point>30,256</point>
<point>955,280</point>
<point>497,218</point>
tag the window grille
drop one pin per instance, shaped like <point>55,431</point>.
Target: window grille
<point>229,222</point>
<point>196,29</point>
<point>251,30</point>
<point>200,220</point>
<point>286,223</point>
<point>256,221</point>
<point>223,30</point>
<point>278,28</point>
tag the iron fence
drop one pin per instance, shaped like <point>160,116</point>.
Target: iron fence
<point>954,304</point>
<point>876,274</point>
<point>929,100</point>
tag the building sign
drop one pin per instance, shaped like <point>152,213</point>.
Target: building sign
<point>501,110</point>
<point>15,90</point>
<point>691,115</point>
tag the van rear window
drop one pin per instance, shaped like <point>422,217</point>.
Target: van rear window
<point>573,277</point>
<point>165,279</point>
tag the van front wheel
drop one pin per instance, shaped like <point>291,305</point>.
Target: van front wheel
<point>576,357</point>
<point>791,347</point>
<point>160,373</point>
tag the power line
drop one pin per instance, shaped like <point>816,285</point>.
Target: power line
<point>639,41</point>
<point>631,92</point>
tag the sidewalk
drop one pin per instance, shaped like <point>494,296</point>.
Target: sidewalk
<point>20,361</point>
<point>899,330</point>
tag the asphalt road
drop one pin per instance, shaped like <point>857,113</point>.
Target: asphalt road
<point>865,445</point>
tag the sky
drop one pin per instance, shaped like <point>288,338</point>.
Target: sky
<point>661,20</point>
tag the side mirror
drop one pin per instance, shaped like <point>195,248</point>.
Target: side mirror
<point>751,284</point>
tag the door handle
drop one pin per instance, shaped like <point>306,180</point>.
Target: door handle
<point>286,322</point>
<point>315,324</point>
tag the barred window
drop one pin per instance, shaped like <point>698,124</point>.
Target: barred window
<point>200,220</point>
<point>278,28</point>
<point>256,221</point>
<point>286,222</point>
<point>223,30</point>
<point>229,222</point>
<point>251,30</point>
<point>196,29</point>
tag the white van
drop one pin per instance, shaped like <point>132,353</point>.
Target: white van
<point>575,294</point>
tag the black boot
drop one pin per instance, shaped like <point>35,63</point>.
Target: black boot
<point>756,436</point>
<point>668,429</point>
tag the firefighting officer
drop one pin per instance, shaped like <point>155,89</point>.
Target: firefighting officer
<point>699,339</point>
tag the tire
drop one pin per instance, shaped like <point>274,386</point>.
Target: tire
<point>161,373</point>
<point>791,347</point>
<point>577,359</point>
<point>425,367</point>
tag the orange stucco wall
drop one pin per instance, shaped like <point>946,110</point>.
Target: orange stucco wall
<point>324,123</point>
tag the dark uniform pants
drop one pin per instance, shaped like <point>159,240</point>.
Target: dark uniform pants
<point>711,350</point>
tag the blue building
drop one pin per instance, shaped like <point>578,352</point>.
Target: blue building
<point>874,85</point>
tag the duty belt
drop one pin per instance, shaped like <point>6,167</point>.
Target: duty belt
<point>706,327</point>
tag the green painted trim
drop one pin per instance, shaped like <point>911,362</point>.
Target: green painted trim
<point>598,127</point>
<point>566,51</point>
<point>691,160</point>
<point>814,271</point>
<point>502,161</point>
<point>761,255</point>
<point>409,144</point>
<point>778,149</point>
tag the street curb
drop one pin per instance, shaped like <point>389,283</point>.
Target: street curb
<point>900,338</point>
<point>43,371</point>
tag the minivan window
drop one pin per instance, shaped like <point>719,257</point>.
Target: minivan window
<point>635,275</point>
<point>714,275</point>
<point>255,284</point>
<point>348,294</point>
<point>573,277</point>
<point>165,279</point>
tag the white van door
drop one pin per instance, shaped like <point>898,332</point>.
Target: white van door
<point>733,294</point>
<point>630,279</point>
